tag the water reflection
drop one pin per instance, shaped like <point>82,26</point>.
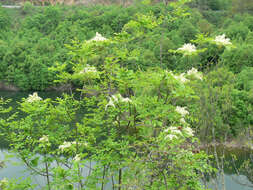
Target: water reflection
<point>237,170</point>
<point>231,182</point>
<point>14,169</point>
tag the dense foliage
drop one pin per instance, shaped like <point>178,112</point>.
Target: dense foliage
<point>153,79</point>
<point>37,37</point>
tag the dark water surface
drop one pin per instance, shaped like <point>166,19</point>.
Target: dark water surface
<point>237,176</point>
<point>14,169</point>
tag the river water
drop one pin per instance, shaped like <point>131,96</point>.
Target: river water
<point>14,169</point>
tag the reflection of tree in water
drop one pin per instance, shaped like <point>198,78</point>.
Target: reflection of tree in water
<point>239,162</point>
<point>245,168</point>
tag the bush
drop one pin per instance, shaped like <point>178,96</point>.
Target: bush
<point>245,79</point>
<point>4,20</point>
<point>237,31</point>
<point>205,26</point>
<point>27,8</point>
<point>248,21</point>
<point>239,58</point>
<point>187,31</point>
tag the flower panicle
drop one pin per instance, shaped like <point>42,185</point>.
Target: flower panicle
<point>33,98</point>
<point>188,49</point>
<point>97,38</point>
<point>88,69</point>
<point>115,99</point>
<point>66,145</point>
<point>182,111</point>
<point>44,139</point>
<point>222,40</point>
<point>194,72</point>
<point>77,158</point>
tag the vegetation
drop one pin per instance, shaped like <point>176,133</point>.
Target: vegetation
<point>153,79</point>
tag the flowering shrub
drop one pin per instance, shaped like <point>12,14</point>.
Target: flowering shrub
<point>150,91</point>
<point>222,40</point>
<point>136,131</point>
<point>187,49</point>
<point>97,38</point>
<point>33,98</point>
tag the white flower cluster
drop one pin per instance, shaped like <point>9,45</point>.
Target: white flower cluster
<point>44,139</point>
<point>97,38</point>
<point>176,132</point>
<point>77,158</point>
<point>188,49</point>
<point>88,69</point>
<point>182,121</point>
<point>188,131</point>
<point>194,72</point>
<point>222,40</point>
<point>33,98</point>
<point>182,111</point>
<point>182,77</point>
<point>66,145</point>
<point>116,98</point>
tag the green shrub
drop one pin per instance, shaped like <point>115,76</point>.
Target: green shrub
<point>248,21</point>
<point>187,31</point>
<point>4,20</point>
<point>27,8</point>
<point>237,31</point>
<point>238,58</point>
<point>245,79</point>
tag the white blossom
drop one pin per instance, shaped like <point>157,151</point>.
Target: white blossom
<point>182,111</point>
<point>195,73</point>
<point>167,130</point>
<point>110,103</point>
<point>126,100</point>
<point>77,158</point>
<point>222,40</point>
<point>115,99</point>
<point>180,77</point>
<point>44,138</point>
<point>189,131</point>
<point>182,121</point>
<point>188,48</point>
<point>171,137</point>
<point>97,38</point>
<point>89,69</point>
<point>34,97</point>
<point>65,145</point>
<point>173,130</point>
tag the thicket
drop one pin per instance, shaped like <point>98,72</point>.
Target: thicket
<point>44,37</point>
<point>140,83</point>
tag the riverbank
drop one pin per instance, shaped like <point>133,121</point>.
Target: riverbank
<point>8,87</point>
<point>4,86</point>
<point>232,144</point>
